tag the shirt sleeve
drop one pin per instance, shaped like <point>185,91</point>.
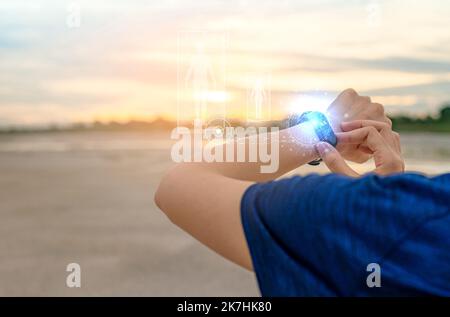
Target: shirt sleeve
<point>316,235</point>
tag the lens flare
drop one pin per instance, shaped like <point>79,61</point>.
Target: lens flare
<point>310,102</point>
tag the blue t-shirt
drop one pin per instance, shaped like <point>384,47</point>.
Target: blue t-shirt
<point>316,235</point>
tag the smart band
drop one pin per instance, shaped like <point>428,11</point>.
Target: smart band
<point>321,127</point>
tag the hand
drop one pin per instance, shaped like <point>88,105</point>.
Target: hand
<point>349,106</point>
<point>372,137</point>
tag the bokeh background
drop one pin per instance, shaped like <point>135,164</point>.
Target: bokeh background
<point>89,91</point>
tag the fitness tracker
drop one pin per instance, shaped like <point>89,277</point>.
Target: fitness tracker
<point>321,127</point>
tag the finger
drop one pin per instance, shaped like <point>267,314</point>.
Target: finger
<point>375,110</point>
<point>364,149</point>
<point>347,94</point>
<point>382,127</point>
<point>388,121</point>
<point>370,137</point>
<point>357,136</point>
<point>345,97</point>
<point>334,160</point>
<point>345,149</point>
<point>365,100</point>
<point>358,124</point>
<point>396,137</point>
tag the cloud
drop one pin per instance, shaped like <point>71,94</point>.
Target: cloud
<point>404,64</point>
<point>428,98</point>
<point>124,55</point>
<point>320,63</point>
<point>440,88</point>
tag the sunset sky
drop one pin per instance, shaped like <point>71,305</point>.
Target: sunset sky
<point>130,59</point>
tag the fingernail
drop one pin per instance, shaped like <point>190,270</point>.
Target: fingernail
<point>322,148</point>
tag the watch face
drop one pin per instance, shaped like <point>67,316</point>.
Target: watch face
<point>321,126</point>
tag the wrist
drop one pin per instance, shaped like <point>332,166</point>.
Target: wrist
<point>296,148</point>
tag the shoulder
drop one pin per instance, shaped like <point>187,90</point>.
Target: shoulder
<point>330,184</point>
<point>319,198</point>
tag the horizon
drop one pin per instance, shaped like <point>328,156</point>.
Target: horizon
<point>86,61</point>
<point>163,123</point>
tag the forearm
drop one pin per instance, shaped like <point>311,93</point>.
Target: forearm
<point>204,198</point>
<point>285,155</point>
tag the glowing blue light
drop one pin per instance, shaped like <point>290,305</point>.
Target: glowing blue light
<point>311,127</point>
<point>314,122</point>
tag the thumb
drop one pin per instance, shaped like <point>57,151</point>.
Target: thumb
<point>334,160</point>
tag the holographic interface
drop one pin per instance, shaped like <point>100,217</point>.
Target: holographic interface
<point>321,126</point>
<point>311,127</point>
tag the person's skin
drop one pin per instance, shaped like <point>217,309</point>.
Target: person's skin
<point>204,198</point>
<point>376,138</point>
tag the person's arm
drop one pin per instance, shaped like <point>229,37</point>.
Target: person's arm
<point>204,198</point>
<point>295,146</point>
<point>207,206</point>
<point>284,155</point>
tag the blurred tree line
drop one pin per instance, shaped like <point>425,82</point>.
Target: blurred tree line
<point>441,123</point>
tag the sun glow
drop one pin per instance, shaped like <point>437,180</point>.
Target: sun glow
<point>213,96</point>
<point>310,102</point>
